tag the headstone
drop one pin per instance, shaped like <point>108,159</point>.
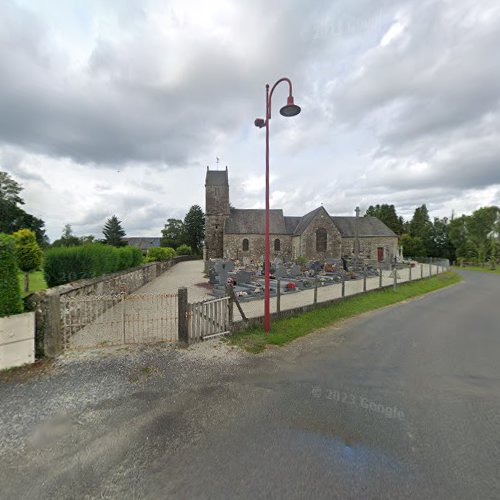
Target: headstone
<point>281,272</point>
<point>295,270</point>
<point>212,277</point>
<point>243,276</point>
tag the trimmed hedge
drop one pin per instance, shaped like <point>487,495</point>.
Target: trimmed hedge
<point>10,294</point>
<point>65,264</point>
<point>160,254</point>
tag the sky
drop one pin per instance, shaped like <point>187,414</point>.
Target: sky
<point>118,106</point>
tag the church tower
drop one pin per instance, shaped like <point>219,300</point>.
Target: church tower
<point>216,212</point>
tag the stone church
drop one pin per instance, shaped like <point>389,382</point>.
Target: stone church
<point>239,233</point>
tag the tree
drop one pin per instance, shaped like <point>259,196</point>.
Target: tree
<point>10,189</point>
<point>439,244</point>
<point>174,234</point>
<point>420,226</point>
<point>412,246</point>
<point>194,224</point>
<point>67,239</point>
<point>12,216</point>
<point>113,232</point>
<point>28,254</point>
<point>479,226</point>
<point>387,214</point>
<point>10,295</point>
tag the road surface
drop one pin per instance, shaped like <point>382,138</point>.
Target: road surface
<point>400,403</point>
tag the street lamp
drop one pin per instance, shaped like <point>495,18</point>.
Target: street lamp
<point>290,109</point>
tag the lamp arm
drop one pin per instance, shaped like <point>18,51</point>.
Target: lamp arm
<point>284,79</point>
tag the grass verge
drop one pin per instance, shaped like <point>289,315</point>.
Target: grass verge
<point>285,330</point>
<point>37,282</point>
<point>485,269</point>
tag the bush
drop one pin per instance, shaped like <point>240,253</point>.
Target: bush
<point>183,250</point>
<point>65,264</point>
<point>28,253</point>
<point>160,254</point>
<point>10,294</point>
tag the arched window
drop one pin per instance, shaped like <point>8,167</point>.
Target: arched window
<point>246,245</point>
<point>321,240</point>
<point>277,245</point>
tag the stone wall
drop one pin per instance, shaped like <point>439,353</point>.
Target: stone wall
<point>47,303</point>
<point>368,247</point>
<point>214,236</point>
<point>233,245</point>
<point>308,238</point>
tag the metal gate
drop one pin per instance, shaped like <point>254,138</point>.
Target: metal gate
<point>103,320</point>
<point>209,319</point>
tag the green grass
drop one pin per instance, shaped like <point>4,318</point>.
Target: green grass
<point>485,269</point>
<point>285,330</point>
<point>37,282</point>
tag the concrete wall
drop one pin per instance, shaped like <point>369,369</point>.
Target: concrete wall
<point>233,245</point>
<point>17,342</point>
<point>308,238</point>
<point>47,303</point>
<point>368,247</point>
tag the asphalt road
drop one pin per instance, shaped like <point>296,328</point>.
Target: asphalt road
<point>400,403</point>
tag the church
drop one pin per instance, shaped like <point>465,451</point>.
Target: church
<point>239,233</point>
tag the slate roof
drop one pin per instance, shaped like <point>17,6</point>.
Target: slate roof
<point>291,223</point>
<point>306,220</point>
<point>216,178</point>
<point>253,221</point>
<point>143,242</point>
<point>368,226</point>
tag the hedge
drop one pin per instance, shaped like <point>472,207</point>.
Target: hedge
<point>183,250</point>
<point>10,294</point>
<point>65,264</point>
<point>159,254</point>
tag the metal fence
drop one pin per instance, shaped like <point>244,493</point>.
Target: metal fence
<point>103,320</point>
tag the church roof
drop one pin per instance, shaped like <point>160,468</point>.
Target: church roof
<point>253,221</point>
<point>367,226</point>
<point>291,223</point>
<point>216,178</point>
<point>306,220</point>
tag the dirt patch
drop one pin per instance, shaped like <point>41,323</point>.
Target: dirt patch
<point>26,373</point>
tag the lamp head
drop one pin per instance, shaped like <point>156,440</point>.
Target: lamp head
<point>290,109</point>
<point>260,122</point>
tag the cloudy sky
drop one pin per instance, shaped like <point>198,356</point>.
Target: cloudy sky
<point>117,107</point>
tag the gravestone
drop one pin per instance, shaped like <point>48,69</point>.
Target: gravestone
<point>212,277</point>
<point>281,272</point>
<point>243,276</point>
<point>295,270</point>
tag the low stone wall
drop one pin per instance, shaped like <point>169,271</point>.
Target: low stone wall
<point>47,303</point>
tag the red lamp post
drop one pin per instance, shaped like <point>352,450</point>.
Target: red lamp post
<point>290,109</point>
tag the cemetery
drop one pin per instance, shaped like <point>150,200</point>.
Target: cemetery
<point>291,277</point>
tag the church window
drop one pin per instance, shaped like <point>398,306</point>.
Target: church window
<point>277,245</point>
<point>321,240</point>
<point>245,245</point>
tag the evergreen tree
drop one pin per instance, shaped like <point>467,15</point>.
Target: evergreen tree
<point>12,216</point>
<point>113,232</point>
<point>421,227</point>
<point>194,224</point>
